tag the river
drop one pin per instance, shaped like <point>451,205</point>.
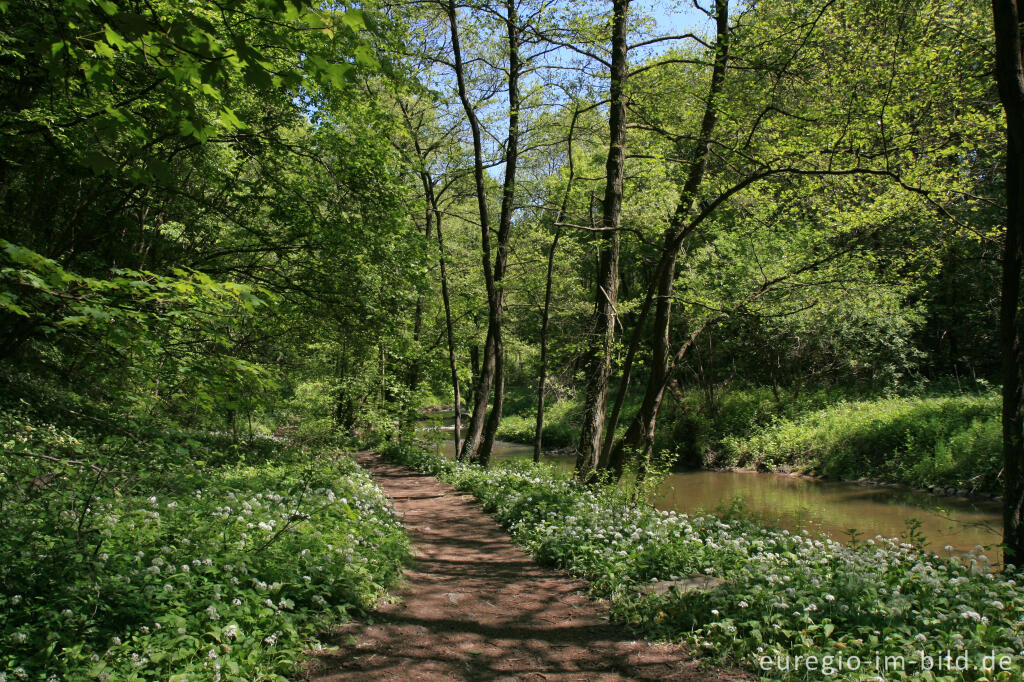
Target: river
<point>831,507</point>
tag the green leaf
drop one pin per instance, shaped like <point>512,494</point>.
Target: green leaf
<point>354,19</point>
<point>114,38</point>
<point>365,56</point>
<point>230,120</point>
<point>7,303</point>
<point>103,49</point>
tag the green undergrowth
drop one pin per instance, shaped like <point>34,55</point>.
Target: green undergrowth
<point>784,593</point>
<point>179,555</point>
<point>561,427</point>
<point>951,441</point>
<point>693,423</point>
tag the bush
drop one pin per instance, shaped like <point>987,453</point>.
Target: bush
<point>695,423</point>
<point>561,424</point>
<point>690,423</point>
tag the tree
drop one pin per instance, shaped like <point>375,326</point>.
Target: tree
<point>478,443</point>
<point>605,313</point>
<point>1010,78</point>
<point>793,109</point>
<point>641,430</point>
<point>538,439</point>
<point>418,124</point>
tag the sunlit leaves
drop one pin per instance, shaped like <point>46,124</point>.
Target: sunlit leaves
<point>139,313</point>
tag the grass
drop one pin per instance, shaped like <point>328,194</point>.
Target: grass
<point>952,441</point>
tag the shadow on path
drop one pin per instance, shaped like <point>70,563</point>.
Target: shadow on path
<point>476,607</point>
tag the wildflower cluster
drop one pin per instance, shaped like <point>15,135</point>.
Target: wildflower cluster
<point>761,592</point>
<point>227,575</point>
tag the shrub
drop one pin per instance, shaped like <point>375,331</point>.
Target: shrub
<point>561,427</point>
<point>691,423</point>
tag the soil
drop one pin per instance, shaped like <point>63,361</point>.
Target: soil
<point>476,607</point>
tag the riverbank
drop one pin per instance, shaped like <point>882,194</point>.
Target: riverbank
<point>937,490</point>
<point>767,592</point>
<point>947,444</point>
<point>565,456</point>
<point>950,445</point>
<point>800,502</point>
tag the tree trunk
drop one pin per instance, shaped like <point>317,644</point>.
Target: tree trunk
<point>627,370</point>
<point>602,342</point>
<point>639,436</point>
<point>640,433</point>
<point>508,194</point>
<point>1010,78</point>
<point>474,369</point>
<point>481,392</point>
<point>538,438</point>
<point>413,379</point>
<point>641,430</point>
<point>483,386</point>
<point>434,216</point>
<point>538,434</point>
<point>432,198</point>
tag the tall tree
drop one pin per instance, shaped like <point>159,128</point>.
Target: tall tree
<point>538,437</point>
<point>508,196</point>
<point>479,439</point>
<point>602,340</point>
<point>483,383</point>
<point>640,433</point>
<point>424,153</point>
<point>1010,78</point>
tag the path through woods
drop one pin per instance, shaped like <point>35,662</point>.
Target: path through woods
<point>477,607</point>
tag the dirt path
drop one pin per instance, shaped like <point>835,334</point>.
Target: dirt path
<point>476,607</point>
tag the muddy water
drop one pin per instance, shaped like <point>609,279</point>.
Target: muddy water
<point>835,507</point>
<point>826,506</point>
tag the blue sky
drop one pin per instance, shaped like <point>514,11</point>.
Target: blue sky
<point>675,17</point>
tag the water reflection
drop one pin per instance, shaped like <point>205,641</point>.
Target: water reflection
<point>834,507</point>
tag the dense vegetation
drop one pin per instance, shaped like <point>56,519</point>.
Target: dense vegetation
<point>211,559</point>
<point>241,237</point>
<point>175,499</point>
<point>949,441</point>
<point>944,439</point>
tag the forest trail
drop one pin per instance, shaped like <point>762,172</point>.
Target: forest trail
<point>476,607</point>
